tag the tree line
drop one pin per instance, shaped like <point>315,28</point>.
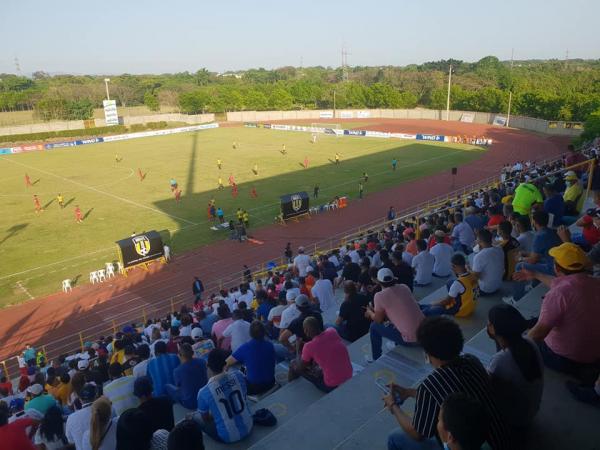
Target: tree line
<point>552,90</point>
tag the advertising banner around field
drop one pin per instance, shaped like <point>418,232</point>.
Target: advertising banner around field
<point>139,249</point>
<point>403,136</point>
<point>293,205</point>
<point>378,134</point>
<point>363,114</point>
<point>500,121</point>
<point>73,143</point>
<point>251,125</point>
<point>122,137</point>
<point>429,137</point>
<point>27,148</point>
<point>111,116</point>
<point>346,114</point>
<point>355,132</point>
<point>5,151</point>
<point>467,117</point>
<point>326,114</point>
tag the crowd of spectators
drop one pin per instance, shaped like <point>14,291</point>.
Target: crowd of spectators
<point>217,354</point>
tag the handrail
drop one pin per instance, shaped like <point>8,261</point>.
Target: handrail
<point>169,304</point>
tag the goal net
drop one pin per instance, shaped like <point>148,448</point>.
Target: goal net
<point>322,127</point>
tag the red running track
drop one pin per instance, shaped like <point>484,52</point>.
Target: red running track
<point>55,320</point>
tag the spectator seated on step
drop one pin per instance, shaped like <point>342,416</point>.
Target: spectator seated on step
<point>442,341</point>
<point>161,368</point>
<point>238,330</point>
<point>396,304</point>
<point>442,253</point>
<point>462,423</point>
<point>566,330</point>
<point>325,361</point>
<point>462,293</point>
<point>223,411</point>
<point>258,357</point>
<point>120,389</point>
<point>423,264</point>
<point>510,247</point>
<point>463,237</point>
<point>158,409</point>
<point>516,369</point>
<point>488,264</point>
<point>351,323</point>
<point>188,378</point>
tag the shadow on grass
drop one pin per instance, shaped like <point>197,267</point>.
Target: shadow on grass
<point>13,231</point>
<point>86,215</point>
<point>48,204</point>
<point>68,202</point>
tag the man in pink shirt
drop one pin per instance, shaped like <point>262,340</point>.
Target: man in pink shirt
<point>328,352</point>
<point>567,330</point>
<point>396,303</point>
<point>219,327</point>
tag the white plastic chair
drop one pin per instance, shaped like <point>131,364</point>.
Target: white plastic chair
<point>101,275</point>
<point>66,285</point>
<point>110,270</point>
<point>94,277</point>
<point>120,267</point>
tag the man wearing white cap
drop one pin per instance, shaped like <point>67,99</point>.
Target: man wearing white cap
<point>301,262</point>
<point>291,312</point>
<point>40,402</point>
<point>396,304</point>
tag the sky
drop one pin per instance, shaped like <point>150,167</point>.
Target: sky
<point>159,36</point>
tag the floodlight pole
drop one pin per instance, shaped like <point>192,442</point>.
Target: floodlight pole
<point>448,97</point>
<point>334,103</point>
<point>106,80</point>
<point>509,103</point>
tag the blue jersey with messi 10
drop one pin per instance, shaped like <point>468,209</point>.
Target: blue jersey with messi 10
<point>224,397</point>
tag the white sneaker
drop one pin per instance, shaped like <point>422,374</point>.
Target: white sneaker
<point>369,359</point>
<point>390,345</point>
<point>510,301</point>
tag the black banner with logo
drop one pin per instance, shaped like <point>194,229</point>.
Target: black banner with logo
<point>140,248</point>
<point>293,205</point>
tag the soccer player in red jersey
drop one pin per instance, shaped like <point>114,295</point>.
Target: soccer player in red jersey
<point>78,215</point>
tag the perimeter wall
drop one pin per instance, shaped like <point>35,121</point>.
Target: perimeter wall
<point>526,123</point>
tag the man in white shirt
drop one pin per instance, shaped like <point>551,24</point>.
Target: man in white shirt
<point>442,253</point>
<point>322,291</point>
<point>276,312</point>
<point>463,236</point>
<point>140,369</point>
<point>239,330</point>
<point>301,262</point>
<point>79,422</point>
<point>291,312</point>
<point>488,264</point>
<point>423,264</point>
<point>246,295</point>
<point>120,390</point>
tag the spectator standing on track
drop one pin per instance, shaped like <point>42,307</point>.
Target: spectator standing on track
<point>197,288</point>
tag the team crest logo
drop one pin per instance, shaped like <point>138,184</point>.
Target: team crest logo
<point>142,245</point>
<point>296,203</point>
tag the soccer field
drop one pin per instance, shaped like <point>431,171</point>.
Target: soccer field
<point>37,251</point>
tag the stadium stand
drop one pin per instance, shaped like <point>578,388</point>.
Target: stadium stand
<point>297,312</point>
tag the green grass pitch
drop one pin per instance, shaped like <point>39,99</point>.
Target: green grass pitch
<point>38,251</point>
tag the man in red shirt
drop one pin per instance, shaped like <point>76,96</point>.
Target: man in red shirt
<point>14,435</point>
<point>591,228</point>
<point>325,361</point>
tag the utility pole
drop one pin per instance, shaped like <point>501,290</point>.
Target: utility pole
<point>106,80</point>
<point>448,97</point>
<point>334,103</point>
<point>512,60</point>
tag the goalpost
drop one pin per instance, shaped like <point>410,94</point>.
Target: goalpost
<point>318,127</point>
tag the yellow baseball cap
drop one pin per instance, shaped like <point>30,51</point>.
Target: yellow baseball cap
<point>569,256</point>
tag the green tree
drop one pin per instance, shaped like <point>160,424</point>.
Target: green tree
<point>151,101</point>
<point>280,99</point>
<point>255,100</point>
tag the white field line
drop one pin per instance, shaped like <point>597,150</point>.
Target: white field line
<point>108,194</point>
<point>258,208</point>
<point>22,288</point>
